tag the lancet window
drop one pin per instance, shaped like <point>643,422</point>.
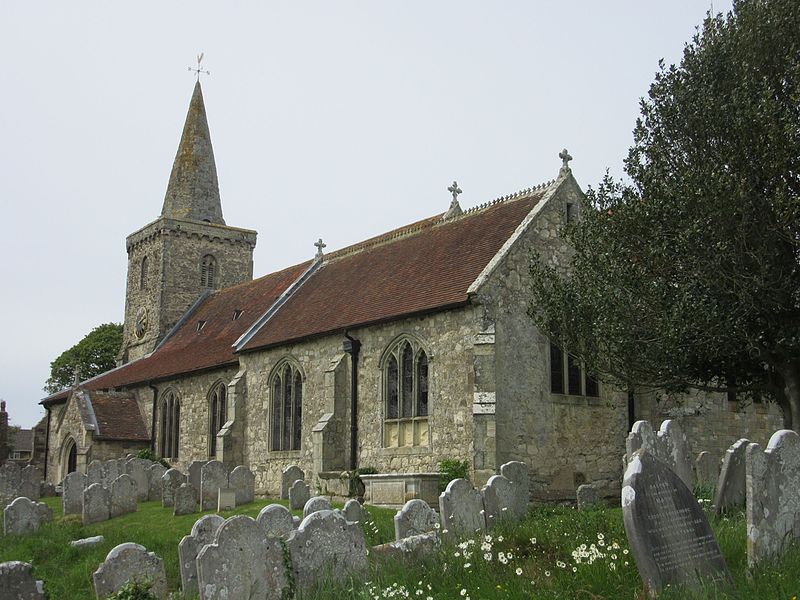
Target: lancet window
<point>217,409</point>
<point>286,385</point>
<point>169,423</point>
<point>406,394</point>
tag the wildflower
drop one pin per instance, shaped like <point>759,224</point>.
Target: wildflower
<point>487,556</point>
<point>499,538</point>
<point>467,565</point>
<point>547,573</point>
<point>463,591</point>
<point>533,541</point>
<point>560,564</point>
<point>574,569</point>
<point>519,571</point>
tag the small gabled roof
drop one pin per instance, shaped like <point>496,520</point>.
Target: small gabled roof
<point>117,417</point>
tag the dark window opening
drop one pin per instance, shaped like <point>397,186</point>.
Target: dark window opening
<point>556,369</point>
<point>574,375</point>
<point>208,270</point>
<point>287,408</point>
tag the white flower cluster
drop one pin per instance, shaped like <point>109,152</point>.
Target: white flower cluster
<point>399,591</point>
<point>587,555</point>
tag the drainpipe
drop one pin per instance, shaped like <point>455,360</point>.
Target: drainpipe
<point>153,420</point>
<point>352,347</point>
<point>631,409</point>
<point>46,442</point>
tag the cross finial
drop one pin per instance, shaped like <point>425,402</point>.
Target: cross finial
<point>320,245</point>
<point>76,376</point>
<point>565,158</point>
<point>199,69</point>
<point>455,190</point>
<point>455,208</point>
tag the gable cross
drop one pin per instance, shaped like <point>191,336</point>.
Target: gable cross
<point>199,69</point>
<point>565,158</point>
<point>455,190</point>
<point>320,245</point>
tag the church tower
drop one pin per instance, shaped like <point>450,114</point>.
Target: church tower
<point>188,250</point>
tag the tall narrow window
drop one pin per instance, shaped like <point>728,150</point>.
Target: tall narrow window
<point>169,426</point>
<point>408,381</point>
<point>143,274</point>
<point>217,415</point>
<point>287,409</point>
<point>574,375</point>
<point>592,388</point>
<point>208,271</point>
<point>406,394</point>
<point>391,391</point>
<point>556,369</point>
<point>422,385</point>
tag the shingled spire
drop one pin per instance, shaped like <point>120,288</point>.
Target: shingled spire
<point>193,190</point>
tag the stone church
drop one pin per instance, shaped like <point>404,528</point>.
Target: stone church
<point>395,353</point>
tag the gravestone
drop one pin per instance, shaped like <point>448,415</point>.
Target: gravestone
<point>47,490</point>
<point>122,466</point>
<point>326,547</point>
<point>503,500</point>
<point>185,500</point>
<point>170,482</point>
<point>241,563</point>
<point>517,472</point>
<point>203,532</point>
<point>731,485</point>
<point>706,470</point>
<point>72,493</point>
<point>299,494</point>
<point>95,473</point>
<point>30,484</point>
<point>461,508</point>
<point>213,476</point>
<point>243,483</point>
<point>773,496</point>
<point>195,469</point>
<point>669,534</point>
<point>126,563</point>
<point>411,549</point>
<point>123,496</point>
<point>315,504</point>
<point>17,582</point>
<point>586,496</point>
<point>415,518</point>
<point>353,511</point>
<point>669,445</point>
<point>276,520</point>
<point>24,516</point>
<point>155,489</point>
<point>88,543</point>
<point>96,504</point>
<point>289,475</point>
<point>226,499</point>
<point>111,471</point>
<point>137,469</point>
<point>10,479</point>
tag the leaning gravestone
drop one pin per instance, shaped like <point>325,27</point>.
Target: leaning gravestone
<point>130,563</point>
<point>195,470</point>
<point>669,445</point>
<point>30,483</point>
<point>213,476</point>
<point>203,532</point>
<point>299,494</point>
<point>669,534</point>
<point>17,582</point>
<point>290,474</point>
<point>185,500</point>
<point>326,547</point>
<point>315,504</point>
<point>155,489</point>
<point>10,479</point>
<point>415,518</point>
<point>243,482</point>
<point>137,469</point>
<point>241,563</point>
<point>586,496</point>
<point>95,473</point>
<point>123,496</point>
<point>353,511</point>
<point>706,470</point>
<point>96,504</point>
<point>170,482</point>
<point>773,496</point>
<point>461,507</point>
<point>72,493</point>
<point>24,516</point>
<point>276,520</point>
<point>503,500</point>
<point>731,484</point>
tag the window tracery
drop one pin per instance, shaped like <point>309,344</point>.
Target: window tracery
<point>405,393</point>
<point>286,385</point>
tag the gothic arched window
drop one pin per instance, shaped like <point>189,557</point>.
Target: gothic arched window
<point>405,393</point>
<point>143,274</point>
<point>208,271</point>
<point>286,385</point>
<point>218,410</point>
<point>169,422</point>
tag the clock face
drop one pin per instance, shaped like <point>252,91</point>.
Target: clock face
<point>140,325</point>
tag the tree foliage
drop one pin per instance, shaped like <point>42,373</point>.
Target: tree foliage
<point>687,274</point>
<point>94,354</point>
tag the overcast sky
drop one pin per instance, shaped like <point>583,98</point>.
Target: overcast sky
<point>338,120</point>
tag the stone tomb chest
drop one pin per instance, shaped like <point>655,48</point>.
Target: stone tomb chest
<point>395,489</point>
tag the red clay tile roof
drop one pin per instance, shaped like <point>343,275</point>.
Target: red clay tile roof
<point>118,417</point>
<point>396,275</point>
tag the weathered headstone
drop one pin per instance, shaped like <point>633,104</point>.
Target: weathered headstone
<point>503,500</point>
<point>669,445</point>
<point>773,496</point>
<point>72,493</point>
<point>96,504</point>
<point>24,516</point>
<point>195,469</point>
<point>315,504</point>
<point>326,547</point>
<point>243,482</point>
<point>289,475</point>
<point>731,484</point>
<point>47,490</point>
<point>353,511</point>
<point>461,508</point>
<point>669,534</point>
<point>111,471</point>
<point>415,518</point>
<point>586,496</point>
<point>203,532</point>
<point>10,479</point>
<point>517,472</point>
<point>95,473</point>
<point>411,549</point>
<point>87,543</point>
<point>30,482</point>
<point>130,563</point>
<point>155,490</point>
<point>17,582</point>
<point>185,500</point>
<point>170,482</point>
<point>213,476</point>
<point>706,470</point>
<point>299,494</point>
<point>241,563</point>
<point>123,496</point>
<point>137,469</point>
<point>226,499</point>
<point>276,520</point>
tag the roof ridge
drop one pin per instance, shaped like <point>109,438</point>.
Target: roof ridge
<point>524,193</point>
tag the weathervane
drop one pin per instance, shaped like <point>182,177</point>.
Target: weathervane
<point>199,69</point>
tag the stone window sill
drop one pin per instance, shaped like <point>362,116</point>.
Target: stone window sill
<point>284,453</point>
<point>575,400</point>
<point>404,450</point>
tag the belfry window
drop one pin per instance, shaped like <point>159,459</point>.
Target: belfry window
<point>169,423</point>
<point>286,385</point>
<point>143,274</point>
<point>217,409</point>
<point>405,393</point>
<point>208,271</point>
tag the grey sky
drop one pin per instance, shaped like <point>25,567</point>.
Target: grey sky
<point>338,120</point>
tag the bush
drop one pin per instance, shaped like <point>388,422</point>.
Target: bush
<point>134,590</point>
<point>452,468</point>
<point>148,454</point>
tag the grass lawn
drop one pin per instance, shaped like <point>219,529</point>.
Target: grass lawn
<point>556,553</point>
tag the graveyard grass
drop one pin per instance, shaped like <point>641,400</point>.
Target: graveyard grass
<point>556,553</point>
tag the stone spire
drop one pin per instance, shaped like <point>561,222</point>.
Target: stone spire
<point>193,190</point>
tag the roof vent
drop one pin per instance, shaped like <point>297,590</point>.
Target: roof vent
<point>200,325</point>
<point>237,313</point>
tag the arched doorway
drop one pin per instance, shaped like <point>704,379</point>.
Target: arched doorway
<point>69,457</point>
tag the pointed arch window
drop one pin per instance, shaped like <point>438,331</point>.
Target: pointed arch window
<point>208,271</point>
<point>143,273</point>
<point>169,425</point>
<point>405,393</point>
<point>218,414</point>
<point>286,428</point>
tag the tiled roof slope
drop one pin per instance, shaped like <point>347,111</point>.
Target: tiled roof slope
<point>431,267</point>
<point>118,417</point>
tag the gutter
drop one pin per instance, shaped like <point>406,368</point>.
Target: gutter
<point>352,346</point>
<point>47,441</point>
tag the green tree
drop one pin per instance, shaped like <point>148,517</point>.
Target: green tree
<point>687,274</point>
<point>94,354</point>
